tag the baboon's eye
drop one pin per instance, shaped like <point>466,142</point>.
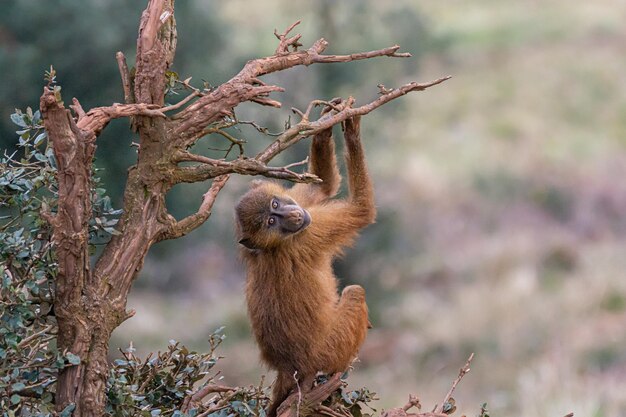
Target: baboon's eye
<point>274,204</point>
<point>271,221</point>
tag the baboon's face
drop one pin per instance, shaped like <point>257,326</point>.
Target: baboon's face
<point>266,216</point>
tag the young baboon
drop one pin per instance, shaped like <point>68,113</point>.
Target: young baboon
<point>289,238</point>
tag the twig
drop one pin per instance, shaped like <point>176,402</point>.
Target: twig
<point>295,378</point>
<point>312,398</point>
<point>285,43</point>
<point>315,103</point>
<point>195,93</point>
<point>464,370</point>
<point>221,404</point>
<point>413,402</point>
<point>258,127</point>
<point>341,110</point>
<point>295,164</point>
<point>33,336</point>
<point>189,223</point>
<point>125,74</point>
<point>328,411</point>
<point>236,142</point>
<point>78,109</point>
<point>200,394</point>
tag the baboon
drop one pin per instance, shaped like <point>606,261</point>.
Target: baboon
<point>289,238</point>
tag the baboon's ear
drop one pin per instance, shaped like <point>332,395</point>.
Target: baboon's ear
<point>247,243</point>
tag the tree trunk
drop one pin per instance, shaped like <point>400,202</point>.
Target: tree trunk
<point>89,305</point>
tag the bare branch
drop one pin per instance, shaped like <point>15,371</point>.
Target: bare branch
<point>97,118</point>
<point>211,168</point>
<point>234,141</point>
<point>195,398</point>
<point>125,75</point>
<point>464,370</point>
<point>34,336</point>
<point>195,93</point>
<point>312,399</point>
<point>78,109</point>
<point>285,43</point>
<point>340,112</point>
<point>222,100</point>
<point>186,225</point>
<point>266,102</point>
<point>413,402</point>
<point>326,59</point>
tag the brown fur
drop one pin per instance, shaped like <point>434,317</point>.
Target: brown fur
<point>299,321</point>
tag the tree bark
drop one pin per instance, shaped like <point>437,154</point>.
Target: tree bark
<point>81,323</point>
<point>89,305</point>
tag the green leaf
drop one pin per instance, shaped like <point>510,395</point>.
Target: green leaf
<point>15,399</point>
<point>73,359</point>
<point>18,386</point>
<point>18,119</point>
<point>39,138</point>
<point>67,411</point>
<point>36,117</point>
<point>112,231</point>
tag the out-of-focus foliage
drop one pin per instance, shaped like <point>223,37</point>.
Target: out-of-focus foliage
<point>80,39</point>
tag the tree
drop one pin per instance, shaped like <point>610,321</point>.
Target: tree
<point>90,301</point>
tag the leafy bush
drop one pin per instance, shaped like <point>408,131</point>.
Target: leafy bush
<point>159,384</point>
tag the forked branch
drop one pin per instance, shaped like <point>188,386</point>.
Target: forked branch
<point>338,112</point>
<point>246,86</point>
<point>196,398</point>
<point>97,118</point>
<point>299,403</point>
<point>464,370</point>
<point>189,223</point>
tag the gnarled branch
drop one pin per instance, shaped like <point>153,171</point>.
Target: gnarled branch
<point>189,223</point>
<point>211,168</point>
<point>207,109</point>
<point>310,400</point>
<point>195,398</point>
<point>338,113</point>
<point>125,75</point>
<point>97,118</point>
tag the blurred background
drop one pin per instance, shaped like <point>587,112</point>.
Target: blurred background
<point>501,193</point>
